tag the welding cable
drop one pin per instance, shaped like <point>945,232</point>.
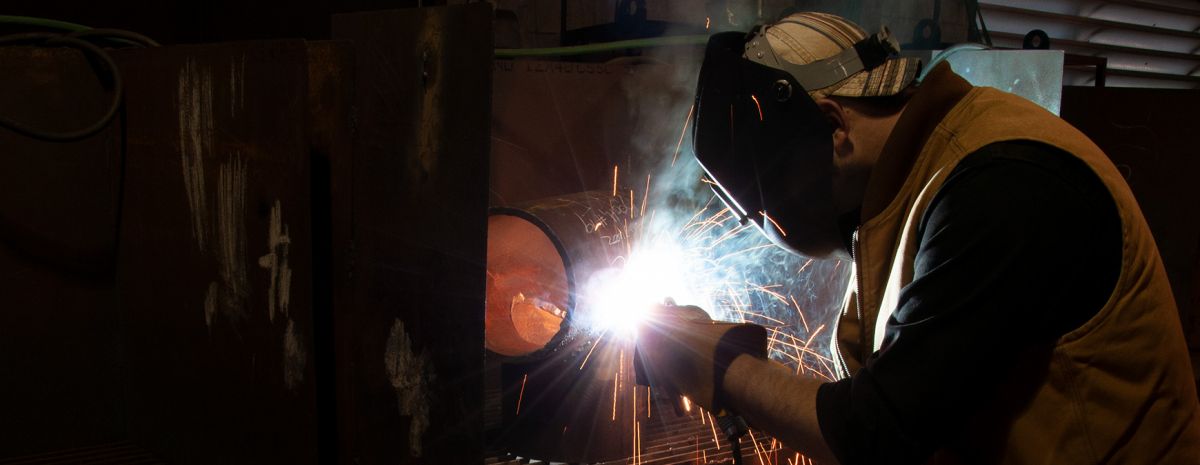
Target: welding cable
<point>735,450</point>
<point>945,54</point>
<point>53,40</point>
<point>735,428</point>
<point>603,47</point>
<point>117,36</point>
<point>120,34</point>
<point>42,23</point>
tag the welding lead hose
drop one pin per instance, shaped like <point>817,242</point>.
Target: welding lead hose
<point>44,23</point>
<point>734,427</point>
<point>52,40</point>
<point>699,39</point>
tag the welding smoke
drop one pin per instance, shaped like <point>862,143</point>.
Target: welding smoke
<point>731,271</point>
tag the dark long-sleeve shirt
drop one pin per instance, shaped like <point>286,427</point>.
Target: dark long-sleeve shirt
<point>1021,245</point>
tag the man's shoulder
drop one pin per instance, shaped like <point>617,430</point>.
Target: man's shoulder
<point>1028,164</point>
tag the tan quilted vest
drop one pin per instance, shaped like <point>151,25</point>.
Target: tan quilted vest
<point>1119,389</point>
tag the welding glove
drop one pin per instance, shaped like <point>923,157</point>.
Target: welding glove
<point>684,352</point>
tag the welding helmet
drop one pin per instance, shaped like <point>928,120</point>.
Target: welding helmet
<point>765,146</point>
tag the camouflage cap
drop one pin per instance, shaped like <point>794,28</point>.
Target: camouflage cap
<point>806,37</point>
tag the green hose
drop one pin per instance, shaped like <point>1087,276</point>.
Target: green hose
<point>500,52</point>
<point>602,47</point>
<point>42,23</point>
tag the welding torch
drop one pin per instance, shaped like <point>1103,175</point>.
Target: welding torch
<point>682,351</point>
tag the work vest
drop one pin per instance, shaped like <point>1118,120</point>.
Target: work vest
<point>1118,389</point>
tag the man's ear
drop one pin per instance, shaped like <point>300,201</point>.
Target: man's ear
<point>838,118</point>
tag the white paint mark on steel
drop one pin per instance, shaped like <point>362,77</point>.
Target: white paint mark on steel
<point>294,357</point>
<point>195,95</point>
<point>277,261</point>
<point>231,235</point>
<point>410,375</point>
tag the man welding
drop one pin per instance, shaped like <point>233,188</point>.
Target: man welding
<point>1008,304</point>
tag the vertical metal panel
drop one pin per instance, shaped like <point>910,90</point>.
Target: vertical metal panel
<point>556,127</point>
<point>559,127</point>
<point>59,338</point>
<point>409,326</point>
<point>215,262</point>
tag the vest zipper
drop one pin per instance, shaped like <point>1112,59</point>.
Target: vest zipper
<point>857,275</point>
<point>837,341</point>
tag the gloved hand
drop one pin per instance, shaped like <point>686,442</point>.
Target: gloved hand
<point>682,351</point>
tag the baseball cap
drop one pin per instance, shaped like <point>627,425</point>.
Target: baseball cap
<point>805,37</point>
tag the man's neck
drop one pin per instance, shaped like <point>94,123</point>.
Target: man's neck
<point>937,95</point>
<point>871,132</point>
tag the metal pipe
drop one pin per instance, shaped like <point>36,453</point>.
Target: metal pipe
<point>568,394</point>
<point>539,256</point>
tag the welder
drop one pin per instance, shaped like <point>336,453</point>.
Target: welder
<point>1008,302</point>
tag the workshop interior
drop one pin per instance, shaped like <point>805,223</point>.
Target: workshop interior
<point>393,232</point>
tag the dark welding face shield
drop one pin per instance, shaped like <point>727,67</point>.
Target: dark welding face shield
<point>765,146</point>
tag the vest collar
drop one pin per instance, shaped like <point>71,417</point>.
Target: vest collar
<point>937,95</point>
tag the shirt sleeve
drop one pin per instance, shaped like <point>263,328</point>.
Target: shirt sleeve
<point>1019,246</point>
